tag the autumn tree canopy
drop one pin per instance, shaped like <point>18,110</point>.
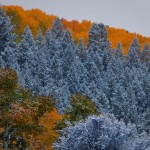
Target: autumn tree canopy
<point>36,19</point>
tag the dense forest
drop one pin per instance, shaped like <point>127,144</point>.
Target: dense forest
<point>56,93</point>
<point>36,19</point>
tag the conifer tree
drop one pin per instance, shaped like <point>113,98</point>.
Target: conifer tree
<point>7,36</point>
<point>134,53</point>
<point>104,132</point>
<point>48,37</point>
<point>40,41</point>
<point>145,54</point>
<point>81,50</point>
<point>57,29</point>
<point>118,51</point>
<point>98,36</point>
<point>7,40</point>
<point>26,48</point>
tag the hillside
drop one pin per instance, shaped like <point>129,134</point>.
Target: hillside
<point>53,91</point>
<point>36,19</point>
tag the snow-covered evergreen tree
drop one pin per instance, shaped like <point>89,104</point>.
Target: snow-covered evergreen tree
<point>40,41</point>
<point>26,48</point>
<point>81,50</point>
<point>145,54</point>
<point>118,51</point>
<point>7,40</point>
<point>57,29</point>
<point>26,58</point>
<point>68,53</point>
<point>134,53</point>
<point>98,36</point>
<point>7,36</point>
<point>103,132</point>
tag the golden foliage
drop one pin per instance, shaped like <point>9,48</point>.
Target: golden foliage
<point>21,110</point>
<point>36,19</point>
<point>48,121</point>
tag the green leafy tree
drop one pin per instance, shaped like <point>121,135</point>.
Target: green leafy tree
<point>81,107</point>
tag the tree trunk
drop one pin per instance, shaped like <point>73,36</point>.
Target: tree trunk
<point>6,138</point>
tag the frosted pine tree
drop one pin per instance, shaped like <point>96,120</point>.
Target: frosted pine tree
<point>62,94</point>
<point>74,77</point>
<point>26,58</point>
<point>68,53</point>
<point>52,37</point>
<point>118,51</point>
<point>48,37</point>
<point>67,38</point>
<point>104,132</point>
<point>40,41</point>
<point>98,42</point>
<point>81,50</point>
<point>145,54</point>
<point>98,36</point>
<point>26,46</point>
<point>135,44</point>
<point>98,59</point>
<point>7,40</point>
<point>57,29</point>
<point>50,42</point>
<point>81,74</point>
<point>6,31</point>
<point>134,53</point>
